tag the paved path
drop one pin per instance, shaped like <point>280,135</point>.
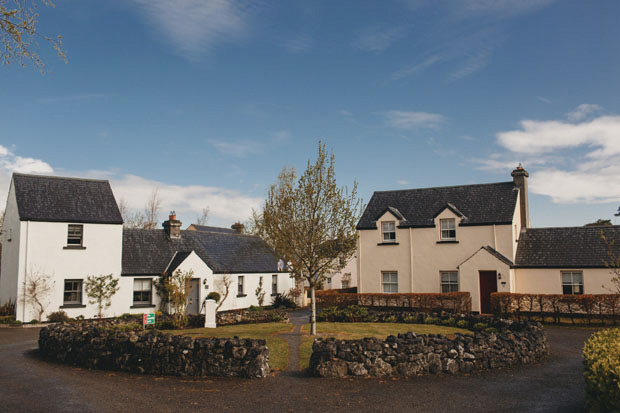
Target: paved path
<point>298,318</point>
<point>30,384</point>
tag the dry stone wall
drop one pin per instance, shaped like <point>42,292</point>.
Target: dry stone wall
<point>153,352</point>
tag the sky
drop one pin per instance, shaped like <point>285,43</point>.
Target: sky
<point>207,100</point>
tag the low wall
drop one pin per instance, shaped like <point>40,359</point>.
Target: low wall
<point>409,355</point>
<point>153,352</point>
<point>245,316</point>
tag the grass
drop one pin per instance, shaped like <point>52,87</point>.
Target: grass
<point>278,347</point>
<point>355,331</point>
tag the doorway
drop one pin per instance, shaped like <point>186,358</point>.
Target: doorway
<point>488,285</point>
<point>193,297</point>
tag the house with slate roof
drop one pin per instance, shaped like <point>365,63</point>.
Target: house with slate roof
<point>475,238</point>
<point>70,228</point>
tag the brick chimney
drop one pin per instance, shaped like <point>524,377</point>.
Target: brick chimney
<point>519,177</point>
<point>172,226</point>
<point>238,226</point>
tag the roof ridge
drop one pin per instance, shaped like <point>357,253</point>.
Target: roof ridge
<point>575,226</point>
<point>443,187</point>
<point>61,177</point>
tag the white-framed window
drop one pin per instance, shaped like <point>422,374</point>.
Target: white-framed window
<point>142,291</point>
<point>346,283</point>
<point>274,284</point>
<point>449,281</point>
<point>389,281</point>
<point>240,285</point>
<point>75,235</point>
<point>72,294</point>
<point>388,231</point>
<point>572,282</point>
<point>448,229</point>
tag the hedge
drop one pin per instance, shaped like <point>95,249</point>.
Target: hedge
<point>457,302</point>
<point>602,371</point>
<point>554,307</point>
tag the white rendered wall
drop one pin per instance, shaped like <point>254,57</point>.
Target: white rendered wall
<point>336,279</point>
<point>11,241</point>
<point>469,278</point>
<point>549,280</point>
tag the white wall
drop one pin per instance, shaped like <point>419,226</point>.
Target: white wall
<point>469,278</point>
<point>549,280</point>
<point>334,281</point>
<point>11,240</point>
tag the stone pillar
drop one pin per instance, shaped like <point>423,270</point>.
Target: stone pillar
<point>210,319</point>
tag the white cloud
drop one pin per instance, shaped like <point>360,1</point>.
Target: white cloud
<point>403,182</point>
<point>196,26</point>
<point>570,162</point>
<point>377,39</point>
<point>413,120</point>
<point>417,67</point>
<point>582,111</point>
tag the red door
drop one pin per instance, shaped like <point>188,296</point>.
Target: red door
<point>488,285</point>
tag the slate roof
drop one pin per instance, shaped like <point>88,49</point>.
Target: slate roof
<point>481,204</point>
<point>214,229</point>
<point>567,247</point>
<point>58,199</point>
<point>177,260</point>
<point>498,255</point>
<point>150,251</point>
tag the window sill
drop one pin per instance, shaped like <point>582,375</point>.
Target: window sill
<point>241,295</point>
<point>73,247</point>
<point>143,306</point>
<point>73,306</point>
<point>388,243</point>
<point>448,242</point>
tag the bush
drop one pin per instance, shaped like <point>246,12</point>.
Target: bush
<point>431,320</point>
<point>165,325</point>
<point>283,301</point>
<point>254,308</point>
<point>411,319</point>
<point>448,322</point>
<point>480,326</point>
<point>214,295</point>
<point>390,319</point>
<point>7,308</point>
<point>602,371</point>
<point>462,324</point>
<point>58,317</point>
<point>490,330</point>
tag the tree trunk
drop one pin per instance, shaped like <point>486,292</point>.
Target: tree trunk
<point>313,314</point>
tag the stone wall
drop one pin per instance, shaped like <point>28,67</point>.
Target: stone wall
<point>246,316</point>
<point>410,355</point>
<point>152,352</point>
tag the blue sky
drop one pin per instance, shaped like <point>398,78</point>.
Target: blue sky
<point>208,100</point>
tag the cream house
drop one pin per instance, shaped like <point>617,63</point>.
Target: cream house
<point>66,229</point>
<point>474,238</point>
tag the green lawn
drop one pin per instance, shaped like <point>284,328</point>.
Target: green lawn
<point>278,347</point>
<point>354,331</point>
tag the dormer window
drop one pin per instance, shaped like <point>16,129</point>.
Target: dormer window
<point>448,229</point>
<point>388,230</point>
<point>75,235</point>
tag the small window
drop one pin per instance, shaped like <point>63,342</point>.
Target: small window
<point>388,229</point>
<point>240,285</point>
<point>274,284</point>
<point>74,235</point>
<point>389,280</point>
<point>572,282</point>
<point>142,291</point>
<point>449,281</point>
<point>73,292</point>
<point>346,283</point>
<point>448,229</point>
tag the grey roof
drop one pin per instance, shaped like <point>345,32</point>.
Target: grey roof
<point>498,255</point>
<point>58,199</point>
<point>567,247</point>
<point>213,229</point>
<point>177,260</point>
<point>482,204</point>
<point>150,251</point>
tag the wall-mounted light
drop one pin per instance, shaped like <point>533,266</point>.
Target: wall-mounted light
<point>204,282</point>
<point>499,275</point>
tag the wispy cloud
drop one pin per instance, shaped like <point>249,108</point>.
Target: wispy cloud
<point>377,39</point>
<point>476,8</point>
<point>583,111</point>
<point>402,182</point>
<point>413,120</point>
<point>543,99</point>
<point>417,67</point>
<point>247,147</point>
<point>473,63</point>
<point>194,27</point>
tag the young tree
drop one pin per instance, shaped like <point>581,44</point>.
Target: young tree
<point>174,289</point>
<point>19,33</point>
<point>223,286</point>
<point>100,290</point>
<point>203,217</point>
<point>37,288</point>
<point>260,292</point>
<point>310,222</point>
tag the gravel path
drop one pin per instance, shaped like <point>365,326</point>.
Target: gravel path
<point>30,384</point>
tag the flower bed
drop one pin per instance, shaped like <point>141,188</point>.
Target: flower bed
<point>602,371</point>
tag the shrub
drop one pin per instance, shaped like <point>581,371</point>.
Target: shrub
<point>214,295</point>
<point>389,319</point>
<point>410,319</point>
<point>7,319</point>
<point>254,308</point>
<point>480,326</point>
<point>448,322</point>
<point>283,301</point>
<point>490,330</point>
<point>462,324</point>
<point>8,308</point>
<point>431,320</point>
<point>602,370</point>
<point>58,317</point>
<point>165,325</point>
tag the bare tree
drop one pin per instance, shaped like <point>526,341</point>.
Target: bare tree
<point>148,218</point>
<point>223,286</point>
<point>123,208</point>
<point>203,217</point>
<point>310,222</point>
<point>19,33</point>
<point>151,210</point>
<point>37,287</point>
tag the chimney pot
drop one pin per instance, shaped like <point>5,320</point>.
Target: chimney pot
<point>172,226</point>
<point>238,226</point>
<point>519,177</point>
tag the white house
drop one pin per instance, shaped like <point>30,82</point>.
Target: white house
<point>475,238</point>
<point>69,228</point>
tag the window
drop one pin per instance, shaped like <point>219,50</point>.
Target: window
<point>345,284</point>
<point>274,284</point>
<point>388,230</point>
<point>572,282</point>
<point>74,235</point>
<point>240,286</point>
<point>142,291</point>
<point>448,229</point>
<point>389,281</point>
<point>73,292</point>
<point>449,281</point>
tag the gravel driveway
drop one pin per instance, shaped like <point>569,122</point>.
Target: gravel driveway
<point>30,384</point>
